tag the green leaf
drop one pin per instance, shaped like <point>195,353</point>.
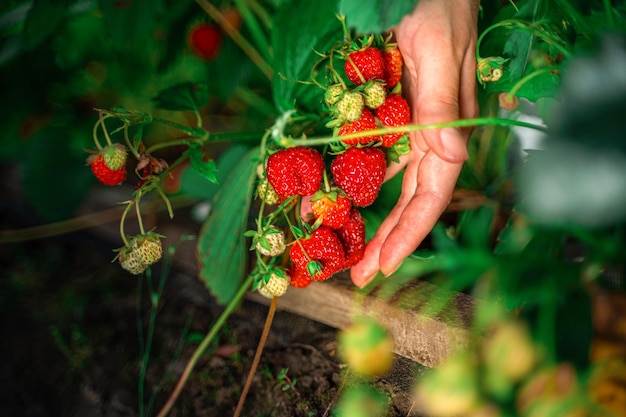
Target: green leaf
<point>206,169</point>
<point>378,16</point>
<point>185,96</point>
<point>295,38</point>
<point>196,185</point>
<point>43,18</point>
<point>222,246</point>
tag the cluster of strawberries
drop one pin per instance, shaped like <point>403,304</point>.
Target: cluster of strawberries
<point>335,237</point>
<point>108,165</point>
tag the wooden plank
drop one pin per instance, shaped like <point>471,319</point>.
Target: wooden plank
<point>423,339</point>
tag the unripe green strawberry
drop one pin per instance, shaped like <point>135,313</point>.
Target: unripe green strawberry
<point>350,106</point>
<point>266,192</point>
<point>114,156</point>
<point>374,94</point>
<point>366,347</point>
<point>333,94</point>
<point>276,286</point>
<point>272,242</point>
<point>131,261</point>
<point>148,248</point>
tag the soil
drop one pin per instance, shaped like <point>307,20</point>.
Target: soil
<point>72,334</point>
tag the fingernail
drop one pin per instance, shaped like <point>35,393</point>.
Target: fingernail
<point>393,270</point>
<point>454,147</point>
<point>367,280</point>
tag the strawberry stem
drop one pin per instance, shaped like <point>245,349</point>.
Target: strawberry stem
<point>129,144</point>
<point>95,134</point>
<point>139,219</point>
<point>106,133</point>
<point>257,356</point>
<point>415,128</point>
<point>123,221</point>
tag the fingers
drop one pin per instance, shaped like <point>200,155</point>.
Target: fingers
<point>436,182</point>
<point>363,272</point>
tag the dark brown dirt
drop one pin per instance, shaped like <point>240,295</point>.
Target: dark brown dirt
<point>71,343</point>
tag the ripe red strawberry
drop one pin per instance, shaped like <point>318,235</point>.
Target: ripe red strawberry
<point>365,123</point>
<point>322,247</point>
<point>365,65</point>
<point>352,237</point>
<point>300,278</point>
<point>295,171</point>
<point>394,112</point>
<point>393,67</point>
<point>205,41</point>
<point>331,209</point>
<point>103,173</point>
<point>360,173</point>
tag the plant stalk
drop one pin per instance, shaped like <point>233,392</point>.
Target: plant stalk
<point>257,356</point>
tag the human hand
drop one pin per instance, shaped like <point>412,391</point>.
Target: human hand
<point>437,42</point>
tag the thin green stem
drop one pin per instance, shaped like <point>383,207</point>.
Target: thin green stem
<point>232,305</point>
<point>139,219</point>
<point>519,84</point>
<point>122,221</point>
<point>260,11</point>
<point>255,29</point>
<point>129,144</point>
<point>176,356</point>
<point>234,34</point>
<point>95,134</point>
<point>166,200</point>
<point>104,129</point>
<point>191,131</point>
<point>414,128</point>
<point>177,142</point>
<point>608,10</point>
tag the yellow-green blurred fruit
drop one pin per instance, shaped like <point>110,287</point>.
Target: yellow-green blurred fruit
<point>510,351</point>
<point>361,401</point>
<point>366,347</point>
<point>451,388</point>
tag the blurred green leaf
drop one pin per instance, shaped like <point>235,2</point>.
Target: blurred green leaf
<point>295,38</point>
<point>222,248</point>
<point>184,96</point>
<point>378,16</point>
<point>206,169</point>
<point>43,18</point>
<point>196,185</point>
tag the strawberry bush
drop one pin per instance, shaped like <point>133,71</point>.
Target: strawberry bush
<point>287,122</point>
